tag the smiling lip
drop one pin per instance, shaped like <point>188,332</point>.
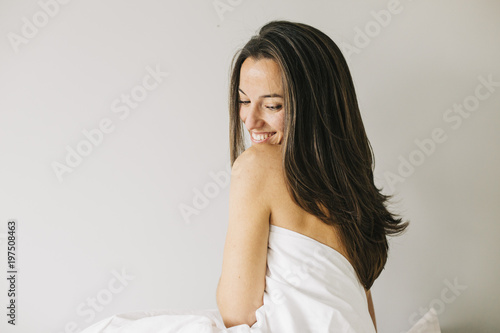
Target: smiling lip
<point>262,141</point>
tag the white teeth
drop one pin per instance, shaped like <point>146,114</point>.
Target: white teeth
<point>260,137</point>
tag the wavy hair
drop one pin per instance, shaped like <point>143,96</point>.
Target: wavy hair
<point>327,158</point>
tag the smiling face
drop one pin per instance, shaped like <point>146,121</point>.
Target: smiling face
<point>261,100</point>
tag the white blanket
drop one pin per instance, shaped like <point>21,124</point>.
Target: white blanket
<point>310,287</point>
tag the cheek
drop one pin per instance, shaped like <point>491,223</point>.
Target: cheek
<point>279,122</point>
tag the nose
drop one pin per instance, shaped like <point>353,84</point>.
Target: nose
<point>251,117</point>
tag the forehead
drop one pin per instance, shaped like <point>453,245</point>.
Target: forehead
<point>260,75</point>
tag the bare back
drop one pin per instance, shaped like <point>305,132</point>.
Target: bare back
<point>287,214</point>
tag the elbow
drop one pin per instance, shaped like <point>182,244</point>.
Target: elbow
<point>236,319</point>
<point>234,312</point>
<point>235,307</point>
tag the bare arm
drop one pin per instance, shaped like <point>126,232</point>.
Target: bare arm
<point>371,309</point>
<point>241,286</point>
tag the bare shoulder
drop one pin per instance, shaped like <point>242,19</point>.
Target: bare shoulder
<point>258,161</point>
<point>258,172</point>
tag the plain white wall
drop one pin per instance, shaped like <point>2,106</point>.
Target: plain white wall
<point>119,211</point>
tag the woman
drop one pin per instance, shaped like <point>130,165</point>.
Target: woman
<point>307,226</point>
<point>310,166</point>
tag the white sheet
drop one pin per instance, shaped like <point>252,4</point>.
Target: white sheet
<point>310,287</point>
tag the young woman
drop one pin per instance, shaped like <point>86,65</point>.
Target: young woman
<point>307,226</point>
<point>309,169</point>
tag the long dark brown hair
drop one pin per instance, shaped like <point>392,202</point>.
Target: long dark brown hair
<point>327,159</point>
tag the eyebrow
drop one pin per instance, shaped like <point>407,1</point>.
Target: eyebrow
<point>263,96</point>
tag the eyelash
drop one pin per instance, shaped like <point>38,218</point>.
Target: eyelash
<point>274,108</point>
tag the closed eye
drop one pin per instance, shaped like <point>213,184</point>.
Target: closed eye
<point>275,108</point>
<point>270,107</point>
